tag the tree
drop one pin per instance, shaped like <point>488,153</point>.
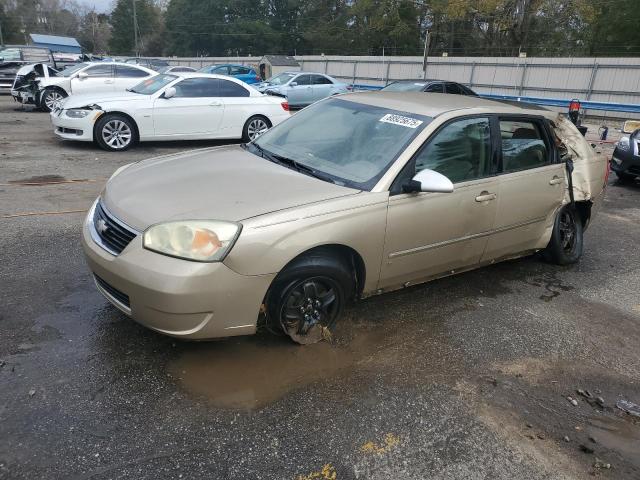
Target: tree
<point>122,21</point>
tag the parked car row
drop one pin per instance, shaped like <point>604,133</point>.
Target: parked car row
<point>189,106</point>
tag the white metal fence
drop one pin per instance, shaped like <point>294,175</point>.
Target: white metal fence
<point>614,80</point>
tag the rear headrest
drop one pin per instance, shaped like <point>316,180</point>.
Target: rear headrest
<point>525,134</point>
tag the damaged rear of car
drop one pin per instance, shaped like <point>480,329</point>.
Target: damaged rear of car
<point>25,86</point>
<point>14,57</point>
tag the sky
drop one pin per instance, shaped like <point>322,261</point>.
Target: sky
<point>102,6</point>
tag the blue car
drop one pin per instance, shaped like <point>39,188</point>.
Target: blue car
<point>241,72</point>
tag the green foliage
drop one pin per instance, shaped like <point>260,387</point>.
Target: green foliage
<point>348,27</point>
<point>149,27</point>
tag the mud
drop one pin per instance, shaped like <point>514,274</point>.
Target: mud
<point>616,435</point>
<point>39,180</point>
<point>251,372</point>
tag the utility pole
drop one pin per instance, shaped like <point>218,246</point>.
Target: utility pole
<point>426,55</point>
<point>1,39</point>
<point>135,28</point>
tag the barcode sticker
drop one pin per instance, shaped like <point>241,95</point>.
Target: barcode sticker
<point>401,120</point>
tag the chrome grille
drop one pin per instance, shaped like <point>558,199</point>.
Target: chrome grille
<point>114,235</point>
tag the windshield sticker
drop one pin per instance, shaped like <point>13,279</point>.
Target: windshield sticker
<point>400,120</point>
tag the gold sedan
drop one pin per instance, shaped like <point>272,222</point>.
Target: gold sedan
<point>354,196</point>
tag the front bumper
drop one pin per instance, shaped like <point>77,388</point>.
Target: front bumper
<point>74,128</point>
<point>176,297</point>
<point>625,162</point>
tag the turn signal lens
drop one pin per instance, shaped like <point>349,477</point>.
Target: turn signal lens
<point>285,106</point>
<point>202,241</point>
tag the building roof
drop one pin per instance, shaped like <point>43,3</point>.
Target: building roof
<point>54,40</point>
<point>281,61</point>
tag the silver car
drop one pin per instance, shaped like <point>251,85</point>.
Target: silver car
<point>302,88</point>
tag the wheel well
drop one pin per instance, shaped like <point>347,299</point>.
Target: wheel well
<point>347,254</point>
<point>135,125</point>
<point>261,116</point>
<point>584,210</point>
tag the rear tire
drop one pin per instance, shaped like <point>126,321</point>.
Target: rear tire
<point>254,127</point>
<point>50,97</point>
<point>625,178</point>
<point>115,133</point>
<point>566,244</point>
<point>307,299</point>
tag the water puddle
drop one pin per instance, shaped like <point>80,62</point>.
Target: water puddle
<point>249,372</point>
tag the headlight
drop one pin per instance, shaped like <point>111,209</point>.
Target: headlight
<point>623,143</point>
<point>197,240</point>
<point>77,113</point>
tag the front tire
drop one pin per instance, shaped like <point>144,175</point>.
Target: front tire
<point>566,244</point>
<point>115,133</point>
<point>308,298</point>
<point>254,127</point>
<point>50,98</point>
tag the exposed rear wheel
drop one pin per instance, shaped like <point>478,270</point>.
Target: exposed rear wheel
<point>309,296</point>
<point>115,132</point>
<point>255,127</point>
<point>566,244</point>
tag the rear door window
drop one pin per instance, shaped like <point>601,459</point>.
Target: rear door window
<point>130,72</point>
<point>320,80</point>
<point>452,88</point>
<point>303,79</point>
<point>524,145</point>
<point>100,71</point>
<point>231,89</point>
<point>434,88</point>
<point>197,87</point>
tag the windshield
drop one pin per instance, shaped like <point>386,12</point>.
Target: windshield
<point>8,54</point>
<point>281,79</point>
<point>351,143</point>
<point>67,72</point>
<point>404,87</point>
<point>153,84</point>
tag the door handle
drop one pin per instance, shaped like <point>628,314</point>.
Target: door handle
<point>485,196</point>
<point>555,180</point>
<point>108,81</point>
<point>215,104</point>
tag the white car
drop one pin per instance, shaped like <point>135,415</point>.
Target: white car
<point>302,88</point>
<point>24,86</point>
<point>189,106</point>
<point>89,78</point>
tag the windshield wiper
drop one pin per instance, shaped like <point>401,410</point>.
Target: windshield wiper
<point>291,163</point>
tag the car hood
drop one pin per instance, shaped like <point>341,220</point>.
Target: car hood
<point>221,183</point>
<point>79,101</point>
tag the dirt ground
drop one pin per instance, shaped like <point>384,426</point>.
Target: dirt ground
<point>463,378</point>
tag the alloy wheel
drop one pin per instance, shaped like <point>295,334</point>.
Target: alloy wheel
<point>310,309</point>
<point>256,127</point>
<point>116,134</point>
<point>52,99</point>
<point>567,231</point>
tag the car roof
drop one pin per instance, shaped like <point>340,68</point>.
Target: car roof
<point>434,104</point>
<point>205,75</point>
<point>230,65</point>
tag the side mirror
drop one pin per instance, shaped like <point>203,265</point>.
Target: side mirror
<point>428,181</point>
<point>169,93</point>
<point>293,84</point>
<point>83,75</point>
